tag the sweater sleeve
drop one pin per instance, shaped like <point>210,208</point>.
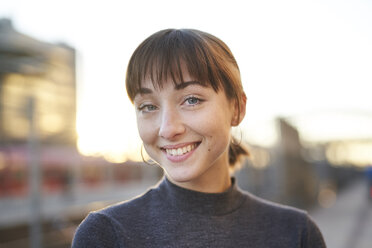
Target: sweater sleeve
<point>312,237</point>
<point>95,231</point>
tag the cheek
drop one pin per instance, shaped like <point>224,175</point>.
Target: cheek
<point>219,126</point>
<point>220,139</point>
<point>146,130</point>
<point>215,126</point>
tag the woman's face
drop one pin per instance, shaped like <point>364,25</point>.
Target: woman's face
<point>186,129</point>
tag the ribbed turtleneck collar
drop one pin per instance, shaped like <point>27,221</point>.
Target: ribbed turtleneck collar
<point>199,202</point>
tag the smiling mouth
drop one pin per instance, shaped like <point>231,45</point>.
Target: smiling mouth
<point>181,150</point>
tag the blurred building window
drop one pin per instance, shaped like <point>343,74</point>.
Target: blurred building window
<point>45,72</point>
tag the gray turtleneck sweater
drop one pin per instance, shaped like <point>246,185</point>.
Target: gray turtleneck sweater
<point>170,216</point>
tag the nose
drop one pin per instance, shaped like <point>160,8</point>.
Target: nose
<point>171,125</point>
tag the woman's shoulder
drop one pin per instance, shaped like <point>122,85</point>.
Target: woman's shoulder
<point>283,220</point>
<point>273,209</point>
<point>102,226</point>
<point>132,207</point>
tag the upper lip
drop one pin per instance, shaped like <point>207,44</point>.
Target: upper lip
<point>178,145</point>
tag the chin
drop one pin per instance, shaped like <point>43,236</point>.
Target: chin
<point>180,177</point>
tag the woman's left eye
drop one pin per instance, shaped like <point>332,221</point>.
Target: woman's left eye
<point>192,100</point>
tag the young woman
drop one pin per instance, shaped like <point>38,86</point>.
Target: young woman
<point>186,89</point>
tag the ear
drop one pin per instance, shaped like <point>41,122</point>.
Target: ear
<point>239,111</point>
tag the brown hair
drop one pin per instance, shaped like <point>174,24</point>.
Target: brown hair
<point>207,59</point>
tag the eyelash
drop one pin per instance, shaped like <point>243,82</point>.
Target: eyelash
<point>145,107</point>
<point>193,98</point>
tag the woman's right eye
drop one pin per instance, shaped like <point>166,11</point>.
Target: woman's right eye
<point>147,108</point>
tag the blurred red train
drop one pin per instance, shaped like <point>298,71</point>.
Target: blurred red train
<point>60,169</point>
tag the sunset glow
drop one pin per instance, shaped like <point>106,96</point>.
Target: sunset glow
<point>295,58</point>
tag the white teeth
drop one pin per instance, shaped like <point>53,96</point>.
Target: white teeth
<point>188,148</point>
<point>180,151</point>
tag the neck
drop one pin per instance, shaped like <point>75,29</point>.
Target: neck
<point>209,183</point>
<point>210,204</point>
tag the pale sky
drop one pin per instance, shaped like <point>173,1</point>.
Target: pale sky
<point>308,59</point>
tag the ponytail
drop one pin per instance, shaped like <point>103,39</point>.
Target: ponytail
<point>237,152</point>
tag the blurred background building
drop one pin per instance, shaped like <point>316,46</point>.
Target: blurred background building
<point>42,174</point>
<point>45,72</point>
<point>41,74</point>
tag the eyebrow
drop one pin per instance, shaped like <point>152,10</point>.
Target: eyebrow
<point>183,85</point>
<point>180,86</point>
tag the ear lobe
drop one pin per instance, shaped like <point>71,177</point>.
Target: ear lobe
<point>239,111</point>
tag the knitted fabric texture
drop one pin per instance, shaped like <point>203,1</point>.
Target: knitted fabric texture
<point>171,216</point>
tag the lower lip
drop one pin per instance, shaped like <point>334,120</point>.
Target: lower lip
<point>180,158</point>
